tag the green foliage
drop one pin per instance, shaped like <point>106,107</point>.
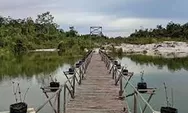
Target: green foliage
<point>21,35</point>
<point>120,52</point>
<point>115,52</point>
<point>72,32</point>
<point>61,46</point>
<point>172,30</point>
<point>45,18</point>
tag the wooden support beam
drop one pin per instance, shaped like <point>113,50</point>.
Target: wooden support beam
<point>135,103</point>
<point>49,101</point>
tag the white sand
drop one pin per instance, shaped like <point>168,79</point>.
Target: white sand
<point>167,49</point>
<point>46,50</point>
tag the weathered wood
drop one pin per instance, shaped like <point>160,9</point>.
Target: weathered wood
<point>50,102</point>
<point>58,102</point>
<point>64,99</point>
<point>135,102</point>
<point>97,94</point>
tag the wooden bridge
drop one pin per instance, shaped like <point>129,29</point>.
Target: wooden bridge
<point>96,84</point>
<point>97,94</point>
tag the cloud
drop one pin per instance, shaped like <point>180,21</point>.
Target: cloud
<point>119,17</point>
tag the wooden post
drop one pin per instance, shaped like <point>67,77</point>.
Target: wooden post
<point>58,102</point>
<point>111,69</point>
<point>115,77</point>
<point>108,65</point>
<point>80,75</point>
<point>135,102</point>
<point>121,87</point>
<point>87,62</point>
<point>64,99</point>
<point>83,71</point>
<point>113,73</point>
<point>74,80</point>
<point>106,61</point>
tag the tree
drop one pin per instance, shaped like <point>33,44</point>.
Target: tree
<point>45,18</point>
<point>1,21</point>
<point>172,30</point>
<point>185,30</point>
<point>72,32</point>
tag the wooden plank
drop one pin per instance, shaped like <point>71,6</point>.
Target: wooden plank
<point>97,94</point>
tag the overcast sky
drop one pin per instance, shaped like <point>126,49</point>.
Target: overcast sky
<point>117,17</point>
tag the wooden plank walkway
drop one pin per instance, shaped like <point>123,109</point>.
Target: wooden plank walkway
<point>97,94</point>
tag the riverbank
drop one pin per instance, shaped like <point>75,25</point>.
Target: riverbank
<point>167,49</point>
<point>45,50</point>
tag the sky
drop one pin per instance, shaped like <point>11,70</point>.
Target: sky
<point>117,17</point>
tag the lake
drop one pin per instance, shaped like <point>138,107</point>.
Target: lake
<point>157,71</point>
<point>33,71</point>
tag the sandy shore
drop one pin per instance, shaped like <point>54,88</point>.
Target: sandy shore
<point>168,49</point>
<point>45,50</point>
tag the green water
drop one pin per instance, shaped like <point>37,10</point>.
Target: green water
<point>31,70</point>
<point>157,70</point>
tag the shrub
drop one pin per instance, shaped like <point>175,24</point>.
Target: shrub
<point>120,51</point>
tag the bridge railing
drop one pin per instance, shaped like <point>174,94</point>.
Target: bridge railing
<point>122,78</point>
<point>67,88</point>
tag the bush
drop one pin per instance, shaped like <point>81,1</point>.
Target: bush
<point>120,52</point>
<point>145,51</point>
<point>61,47</point>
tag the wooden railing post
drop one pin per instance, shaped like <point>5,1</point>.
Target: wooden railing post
<point>64,99</point>
<point>135,102</point>
<point>58,102</point>
<point>83,71</point>
<point>121,87</point>
<point>49,101</point>
<point>74,81</point>
<point>108,67</point>
<point>114,72</point>
<point>115,77</point>
<point>80,75</point>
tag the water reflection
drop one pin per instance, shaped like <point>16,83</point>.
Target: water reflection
<point>158,70</point>
<point>31,70</point>
<point>33,64</point>
<point>173,64</point>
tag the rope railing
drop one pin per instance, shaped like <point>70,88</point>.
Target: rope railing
<point>120,74</point>
<point>68,87</point>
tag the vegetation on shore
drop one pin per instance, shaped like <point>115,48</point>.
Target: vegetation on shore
<point>21,35</point>
<point>18,36</point>
<point>172,32</point>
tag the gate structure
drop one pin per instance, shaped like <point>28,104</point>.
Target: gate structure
<point>96,30</point>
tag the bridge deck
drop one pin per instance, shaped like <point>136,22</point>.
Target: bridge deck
<point>97,94</point>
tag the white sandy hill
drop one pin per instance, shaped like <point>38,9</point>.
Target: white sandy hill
<point>168,49</point>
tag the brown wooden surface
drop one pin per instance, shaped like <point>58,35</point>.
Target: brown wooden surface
<point>97,93</point>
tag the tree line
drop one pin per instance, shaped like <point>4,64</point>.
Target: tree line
<point>20,35</point>
<point>172,30</point>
